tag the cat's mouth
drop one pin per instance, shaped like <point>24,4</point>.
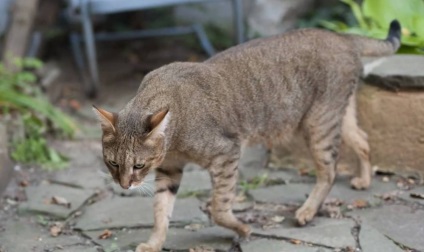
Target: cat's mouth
<point>135,185</point>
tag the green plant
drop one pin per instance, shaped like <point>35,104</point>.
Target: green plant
<point>20,96</point>
<point>254,182</point>
<point>374,16</point>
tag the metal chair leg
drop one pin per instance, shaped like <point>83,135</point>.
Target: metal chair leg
<point>204,40</point>
<point>90,47</point>
<point>238,20</point>
<point>77,52</point>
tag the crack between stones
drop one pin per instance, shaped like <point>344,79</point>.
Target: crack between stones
<point>282,238</point>
<point>355,231</point>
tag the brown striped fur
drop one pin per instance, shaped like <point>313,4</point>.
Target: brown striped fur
<point>261,91</point>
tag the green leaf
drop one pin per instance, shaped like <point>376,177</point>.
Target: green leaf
<point>356,9</point>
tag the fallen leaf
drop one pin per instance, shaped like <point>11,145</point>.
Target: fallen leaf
<point>106,234</point>
<point>201,249</point>
<point>74,104</point>
<point>55,230</point>
<point>333,202</point>
<point>294,241</point>
<point>194,226</point>
<point>387,196</point>
<point>23,183</point>
<point>416,195</point>
<point>277,218</point>
<point>57,200</point>
<point>360,203</point>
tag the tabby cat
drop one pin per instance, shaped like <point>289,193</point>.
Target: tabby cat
<point>262,91</point>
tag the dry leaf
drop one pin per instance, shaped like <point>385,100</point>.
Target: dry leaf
<point>416,195</point>
<point>23,183</point>
<point>202,248</point>
<point>360,203</point>
<point>278,218</point>
<point>294,241</point>
<point>106,234</point>
<point>60,201</point>
<point>55,231</point>
<point>194,226</point>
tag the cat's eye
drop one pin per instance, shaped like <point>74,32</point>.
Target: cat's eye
<point>113,163</point>
<point>138,166</point>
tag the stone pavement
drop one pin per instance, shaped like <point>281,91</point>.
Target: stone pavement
<point>78,209</point>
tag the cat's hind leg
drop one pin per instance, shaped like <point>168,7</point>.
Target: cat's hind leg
<point>167,184</point>
<point>322,130</point>
<point>355,138</point>
<point>223,169</point>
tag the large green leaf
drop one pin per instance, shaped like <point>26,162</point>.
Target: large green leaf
<point>408,12</point>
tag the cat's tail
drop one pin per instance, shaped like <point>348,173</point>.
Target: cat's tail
<point>375,47</point>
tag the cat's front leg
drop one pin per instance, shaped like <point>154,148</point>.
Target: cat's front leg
<point>224,172</point>
<point>167,184</point>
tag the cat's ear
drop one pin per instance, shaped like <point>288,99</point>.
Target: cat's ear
<point>158,122</point>
<point>107,119</point>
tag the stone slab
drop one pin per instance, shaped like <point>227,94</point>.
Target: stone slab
<point>372,240</point>
<point>400,223</point>
<point>195,179</point>
<point>39,198</point>
<point>80,177</point>
<point>411,66</point>
<point>177,239</point>
<point>329,232</point>
<point>119,212</point>
<point>297,192</point>
<point>277,245</point>
<point>87,154</point>
<point>406,195</point>
<point>23,235</point>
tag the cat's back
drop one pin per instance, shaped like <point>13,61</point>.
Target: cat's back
<point>296,43</point>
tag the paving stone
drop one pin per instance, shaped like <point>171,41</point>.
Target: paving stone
<point>292,193</point>
<point>399,223</point>
<point>23,235</point>
<point>78,248</point>
<point>195,179</point>
<point>297,192</point>
<point>389,73</point>
<point>323,231</point>
<point>177,239</point>
<point>372,240</point>
<point>277,245</point>
<point>118,212</point>
<point>39,198</point>
<point>253,161</point>
<point>406,195</point>
<point>82,153</point>
<point>80,177</point>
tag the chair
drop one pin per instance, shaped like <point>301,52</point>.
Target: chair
<point>81,11</point>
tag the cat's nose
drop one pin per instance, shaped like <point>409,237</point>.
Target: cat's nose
<point>125,186</point>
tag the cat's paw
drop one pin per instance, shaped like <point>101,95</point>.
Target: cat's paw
<point>360,183</point>
<point>144,247</point>
<point>305,214</point>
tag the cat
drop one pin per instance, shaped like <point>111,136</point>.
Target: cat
<point>264,90</point>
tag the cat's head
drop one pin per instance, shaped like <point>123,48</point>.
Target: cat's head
<point>133,144</point>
